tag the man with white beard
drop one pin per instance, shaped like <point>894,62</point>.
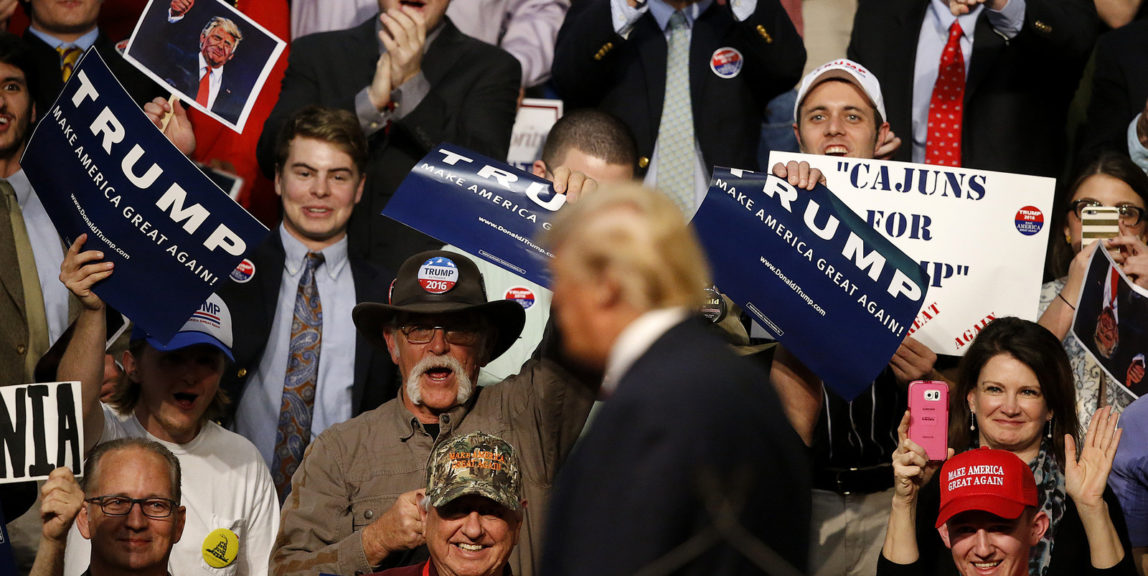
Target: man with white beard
<point>353,506</point>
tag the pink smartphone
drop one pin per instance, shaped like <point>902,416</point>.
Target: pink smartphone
<point>929,417</point>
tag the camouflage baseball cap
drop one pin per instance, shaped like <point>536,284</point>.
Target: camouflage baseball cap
<point>477,463</point>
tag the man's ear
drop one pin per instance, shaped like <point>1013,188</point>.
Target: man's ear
<point>130,368</point>
<point>180,519</point>
<point>797,135</point>
<point>423,512</point>
<point>82,522</point>
<point>882,133</point>
<point>538,168</point>
<point>1039,527</point>
<point>279,180</point>
<point>944,532</point>
<point>392,343</point>
<point>359,190</point>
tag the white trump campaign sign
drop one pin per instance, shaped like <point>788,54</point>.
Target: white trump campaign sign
<point>41,428</point>
<point>980,236</point>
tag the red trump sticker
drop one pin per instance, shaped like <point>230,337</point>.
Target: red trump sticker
<point>244,272</point>
<point>522,295</point>
<point>1029,220</point>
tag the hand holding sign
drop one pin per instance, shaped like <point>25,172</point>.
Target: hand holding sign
<point>178,126</point>
<point>572,184</point>
<point>913,361</point>
<point>799,174</point>
<point>60,502</point>
<point>81,270</point>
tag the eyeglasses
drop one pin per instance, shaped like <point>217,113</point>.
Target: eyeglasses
<point>462,335</point>
<point>122,505</point>
<point>1129,215</point>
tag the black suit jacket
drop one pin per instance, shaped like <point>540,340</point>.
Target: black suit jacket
<point>49,82</point>
<point>1119,90</point>
<point>253,307</point>
<point>1017,92</point>
<point>689,425</point>
<point>595,67</point>
<point>471,103</point>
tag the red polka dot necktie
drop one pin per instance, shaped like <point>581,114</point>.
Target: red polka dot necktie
<point>943,142</point>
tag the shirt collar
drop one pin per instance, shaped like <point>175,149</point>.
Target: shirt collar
<point>635,340</point>
<point>944,17</point>
<point>430,35</point>
<point>22,186</point>
<point>334,256</point>
<point>662,12</point>
<point>213,71</point>
<point>83,42</point>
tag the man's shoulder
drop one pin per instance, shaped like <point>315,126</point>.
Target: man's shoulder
<point>335,39</point>
<point>455,41</point>
<point>226,445</point>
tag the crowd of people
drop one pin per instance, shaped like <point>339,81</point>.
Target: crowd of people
<point>333,412</point>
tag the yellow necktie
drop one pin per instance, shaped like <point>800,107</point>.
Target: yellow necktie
<point>68,57</point>
<point>34,312</point>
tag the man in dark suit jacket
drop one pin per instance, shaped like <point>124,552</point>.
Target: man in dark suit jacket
<point>321,155</point>
<point>691,440</point>
<point>460,90</point>
<point>1017,89</point>
<point>737,64</point>
<point>61,25</point>
<point>1119,92</point>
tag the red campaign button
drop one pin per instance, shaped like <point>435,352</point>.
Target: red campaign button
<point>1029,220</point>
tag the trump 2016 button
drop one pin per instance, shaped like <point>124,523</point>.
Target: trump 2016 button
<point>1029,220</point>
<point>438,275</point>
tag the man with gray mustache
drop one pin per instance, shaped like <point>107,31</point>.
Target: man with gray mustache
<point>353,505</point>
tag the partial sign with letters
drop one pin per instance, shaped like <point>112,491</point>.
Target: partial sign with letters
<point>102,168</point>
<point>41,429</point>
<point>536,116</point>
<point>482,206</point>
<point>979,235</point>
<point>837,294</point>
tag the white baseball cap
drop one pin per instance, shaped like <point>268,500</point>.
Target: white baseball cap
<point>847,70</point>
<point>210,324</point>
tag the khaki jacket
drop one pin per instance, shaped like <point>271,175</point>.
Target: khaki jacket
<point>354,471</point>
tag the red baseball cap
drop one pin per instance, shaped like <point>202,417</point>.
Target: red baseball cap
<point>993,481</point>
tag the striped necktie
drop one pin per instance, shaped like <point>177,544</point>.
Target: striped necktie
<point>68,57</point>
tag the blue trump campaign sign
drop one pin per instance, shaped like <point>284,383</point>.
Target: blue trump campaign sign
<point>482,206</point>
<point>102,168</point>
<point>831,289</point>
